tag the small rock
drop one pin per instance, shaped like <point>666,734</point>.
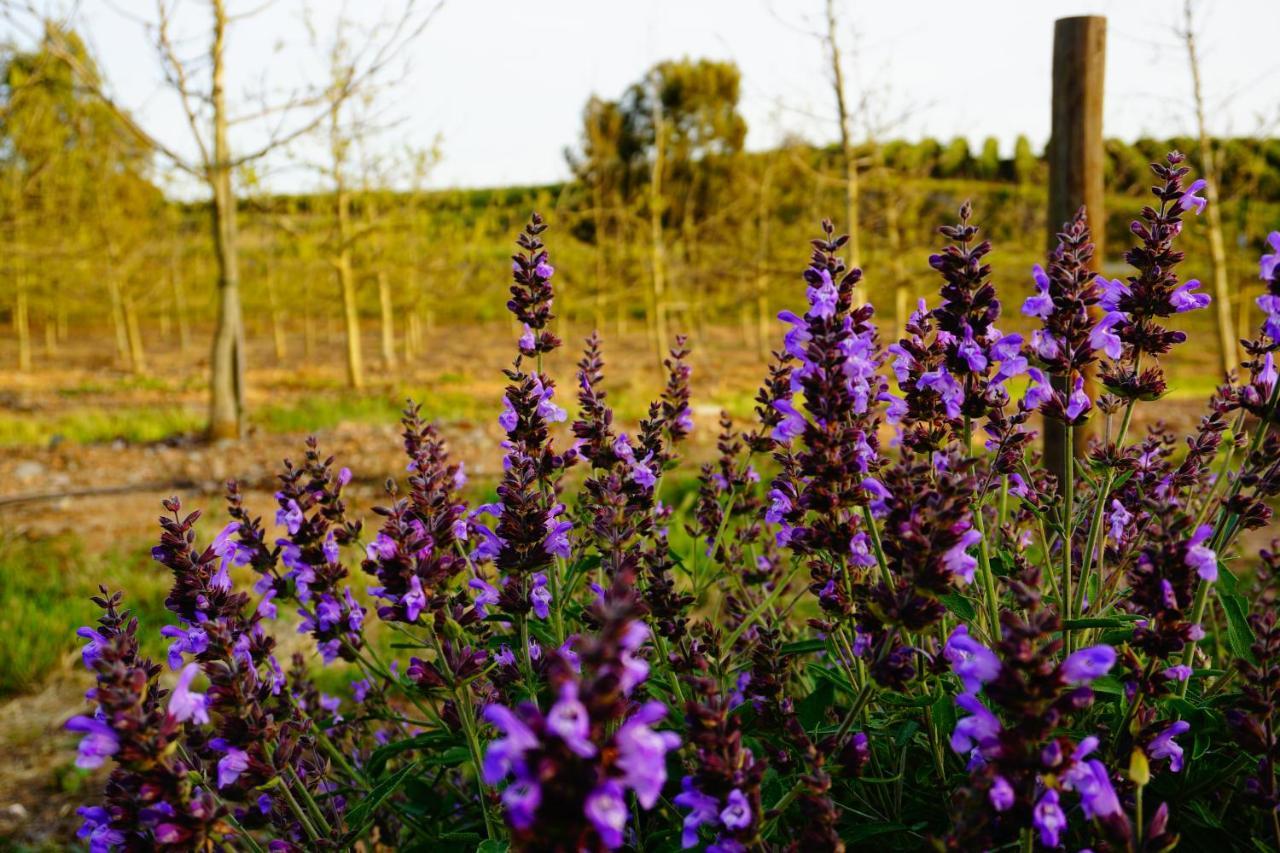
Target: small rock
<point>28,470</point>
<point>17,810</point>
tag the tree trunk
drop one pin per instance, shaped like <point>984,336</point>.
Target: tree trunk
<point>1228,356</point>
<point>658,298</point>
<point>347,284</point>
<point>277,321</point>
<point>847,154</point>
<point>22,326</point>
<point>388,321</point>
<point>50,337</point>
<point>117,315</point>
<point>226,386</point>
<point>137,353</point>
<point>1076,166</point>
<point>179,307</point>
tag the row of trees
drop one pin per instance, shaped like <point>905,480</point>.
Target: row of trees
<point>669,219</point>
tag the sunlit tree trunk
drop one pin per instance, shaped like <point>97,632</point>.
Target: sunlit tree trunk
<point>277,318</point>
<point>1228,357</point>
<point>22,325</point>
<point>226,387</point>
<point>183,322</point>
<point>847,154</point>
<point>117,315</point>
<point>347,285</point>
<point>658,260</point>
<point>764,323</point>
<point>137,352</point>
<point>388,321</point>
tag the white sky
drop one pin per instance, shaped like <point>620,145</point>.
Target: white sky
<point>503,82</point>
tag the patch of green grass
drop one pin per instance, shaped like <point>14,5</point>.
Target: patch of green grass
<point>45,586</point>
<point>98,425</point>
<point>325,411</point>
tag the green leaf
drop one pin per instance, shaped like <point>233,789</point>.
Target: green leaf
<point>1108,685</point>
<point>1098,622</point>
<point>378,760</point>
<point>1239,633</point>
<point>959,605</point>
<point>803,647</point>
<point>492,845</point>
<point>813,707</point>
<point>451,757</point>
<point>362,814</point>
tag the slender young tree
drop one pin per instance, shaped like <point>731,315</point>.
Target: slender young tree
<point>199,84</point>
<point>1228,356</point>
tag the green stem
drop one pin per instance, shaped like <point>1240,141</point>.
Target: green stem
<point>298,812</point>
<point>876,545</point>
<point>466,713</point>
<point>1068,514</point>
<point>988,577</point>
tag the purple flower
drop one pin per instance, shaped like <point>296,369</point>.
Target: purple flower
<point>1180,672</point>
<point>1119,519</point>
<point>231,765</point>
<point>509,418</point>
<point>1103,338</point>
<point>1163,745</point>
<point>797,337</point>
<point>1041,304</point>
<point>792,424</point>
<point>957,558</point>
<point>971,352</point>
<point>1001,794</point>
<point>822,299</point>
<point>979,729</point>
<point>642,752</point>
<point>1049,819</point>
<point>1190,199</point>
<point>184,704</point>
<point>1113,291</point>
<point>527,340</point>
<point>974,663</point>
<point>557,543</point>
<point>1087,664</point>
<point>1090,780</point>
<point>1044,344</point>
<point>290,516</point>
<point>1268,263</point>
<point>948,389</point>
<point>97,830</point>
<point>522,799</point>
<point>185,642</point>
<point>607,811</point>
<point>1201,557</point>
<point>506,754</point>
<point>1267,375</point>
<point>266,609</point>
<point>1183,299</point>
<point>568,720</point>
<point>703,809</point>
<point>737,814</point>
<point>1039,391</point>
<point>92,651</point>
<point>1078,403</point>
<point>486,596</point>
<point>415,600</point>
<point>540,596</point>
<point>98,742</point>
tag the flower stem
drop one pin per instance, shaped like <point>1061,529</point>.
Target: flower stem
<point>1068,512</point>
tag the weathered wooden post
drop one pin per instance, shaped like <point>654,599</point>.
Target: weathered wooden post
<point>1076,164</point>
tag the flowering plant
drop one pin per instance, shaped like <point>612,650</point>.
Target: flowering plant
<point>895,621</point>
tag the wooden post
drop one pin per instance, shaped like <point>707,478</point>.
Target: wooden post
<point>1076,164</point>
